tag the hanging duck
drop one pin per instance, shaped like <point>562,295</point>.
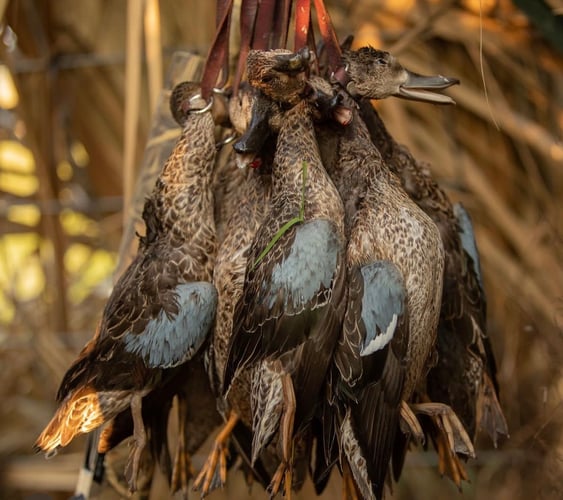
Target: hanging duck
<point>394,263</point>
<point>162,308</point>
<point>244,202</point>
<point>464,377</point>
<point>291,307</point>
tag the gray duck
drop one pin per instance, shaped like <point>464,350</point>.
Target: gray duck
<point>464,377</point>
<point>290,311</point>
<point>162,308</point>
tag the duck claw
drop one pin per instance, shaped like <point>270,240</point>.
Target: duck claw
<point>207,478</point>
<point>409,420</point>
<point>138,444</point>
<point>283,475</point>
<point>214,472</point>
<point>449,463</point>
<point>451,440</point>
<point>182,471</point>
<point>449,425</point>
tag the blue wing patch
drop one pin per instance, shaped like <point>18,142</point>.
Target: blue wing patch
<point>309,266</point>
<point>383,303</point>
<point>170,341</point>
<point>467,237</point>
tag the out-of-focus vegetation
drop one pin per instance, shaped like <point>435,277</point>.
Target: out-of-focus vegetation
<point>73,125</point>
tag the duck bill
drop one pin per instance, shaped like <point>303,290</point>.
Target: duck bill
<point>251,142</point>
<point>426,88</point>
<point>293,63</point>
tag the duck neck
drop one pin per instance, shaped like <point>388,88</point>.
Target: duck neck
<point>379,134</point>
<point>182,198</point>
<point>358,157</point>
<point>297,162</point>
<point>192,158</point>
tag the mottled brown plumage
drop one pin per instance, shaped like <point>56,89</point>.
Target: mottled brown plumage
<point>244,199</point>
<point>246,213</point>
<point>289,312</point>
<point>464,376</point>
<point>161,308</point>
<point>280,75</point>
<point>395,265</point>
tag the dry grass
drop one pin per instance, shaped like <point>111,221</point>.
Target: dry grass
<point>502,157</point>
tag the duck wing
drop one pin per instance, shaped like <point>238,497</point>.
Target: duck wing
<point>177,332</point>
<point>489,411</point>
<point>285,294</point>
<point>377,322</point>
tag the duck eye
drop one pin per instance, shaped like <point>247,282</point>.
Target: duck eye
<point>380,61</point>
<point>267,79</point>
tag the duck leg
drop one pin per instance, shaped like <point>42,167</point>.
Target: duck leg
<point>450,439</point>
<point>284,471</point>
<point>448,462</point>
<point>139,442</point>
<point>449,425</point>
<point>412,423</point>
<point>218,455</point>
<point>183,470</point>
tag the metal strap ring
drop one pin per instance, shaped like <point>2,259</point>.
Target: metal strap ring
<point>207,107</point>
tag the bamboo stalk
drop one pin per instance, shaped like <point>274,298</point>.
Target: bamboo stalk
<point>3,5</point>
<point>153,44</point>
<point>135,10</point>
<point>38,116</point>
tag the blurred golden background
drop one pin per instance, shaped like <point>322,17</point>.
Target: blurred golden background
<point>79,83</point>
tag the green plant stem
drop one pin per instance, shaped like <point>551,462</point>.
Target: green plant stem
<point>289,223</point>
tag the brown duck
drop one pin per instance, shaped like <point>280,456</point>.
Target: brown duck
<point>394,262</point>
<point>244,203</point>
<point>162,308</point>
<point>290,311</point>
<point>464,377</point>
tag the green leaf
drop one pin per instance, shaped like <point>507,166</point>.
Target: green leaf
<point>289,223</point>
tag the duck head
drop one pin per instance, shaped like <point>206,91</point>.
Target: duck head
<point>251,114</point>
<point>376,74</point>
<point>328,104</point>
<point>279,74</point>
<point>260,118</point>
<point>186,99</point>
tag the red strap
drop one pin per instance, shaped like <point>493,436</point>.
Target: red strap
<point>329,36</point>
<point>248,10</point>
<point>222,6</point>
<point>264,30</point>
<point>281,24</point>
<point>313,46</point>
<point>218,57</point>
<point>302,17</point>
